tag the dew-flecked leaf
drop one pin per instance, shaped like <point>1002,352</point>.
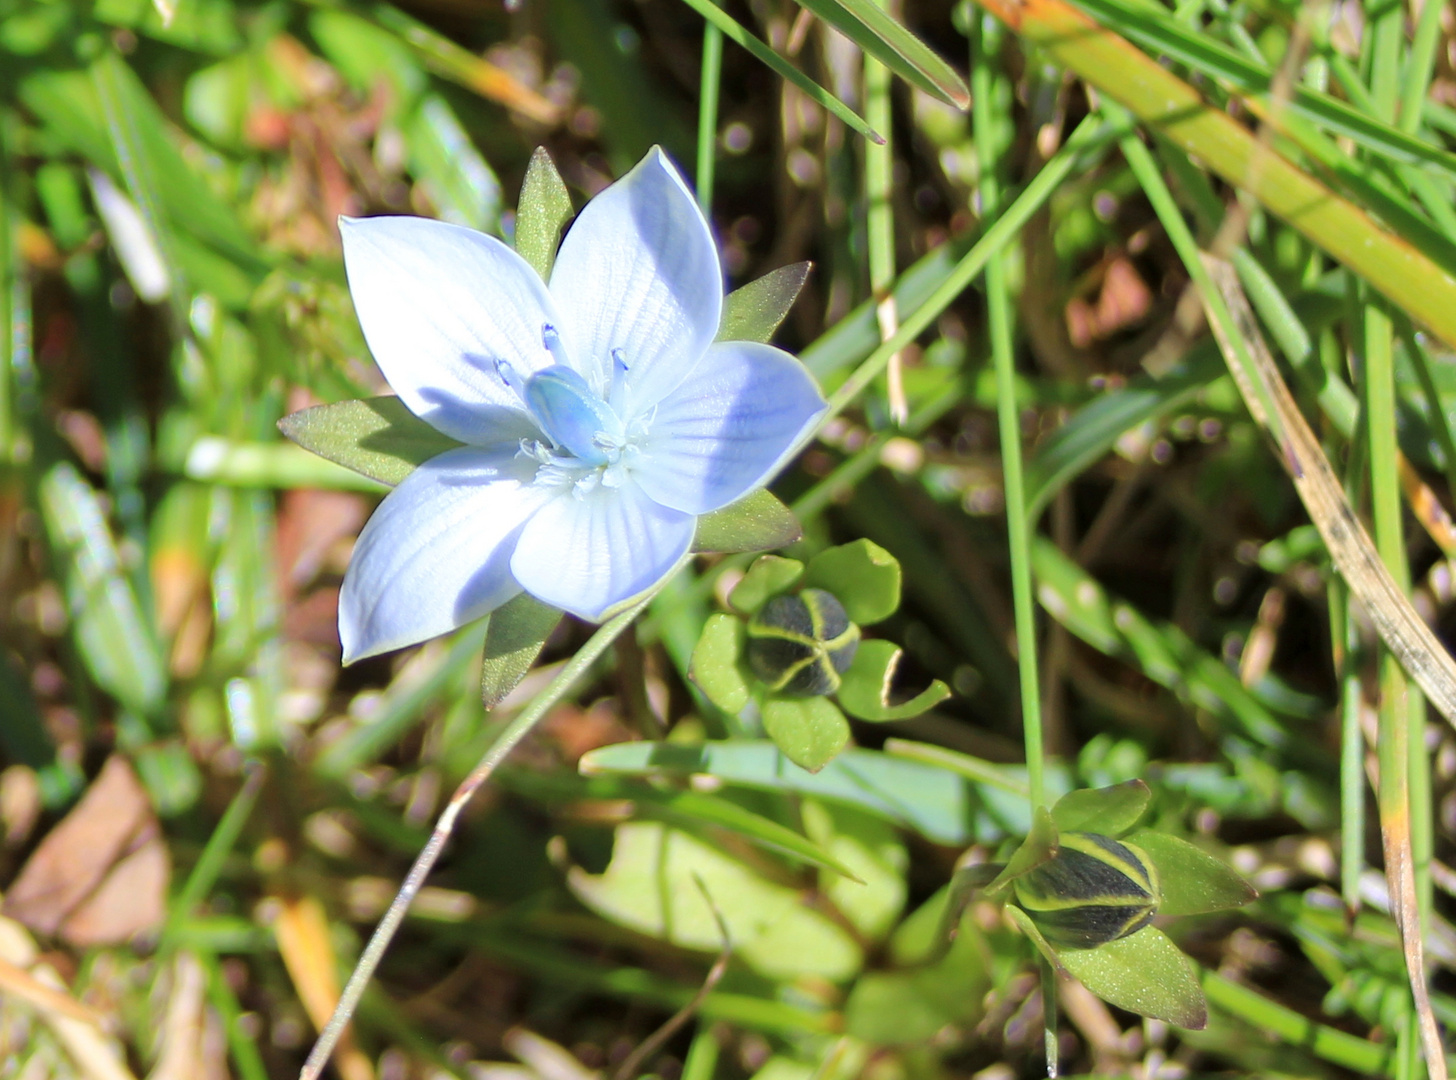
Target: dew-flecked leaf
<point>1144,973</point>
<point>1192,881</point>
<point>376,437</point>
<point>1107,810</point>
<point>756,522</point>
<point>542,213</point>
<point>754,312</point>
<point>517,632</point>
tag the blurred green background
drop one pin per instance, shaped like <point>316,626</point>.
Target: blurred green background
<point>171,285</point>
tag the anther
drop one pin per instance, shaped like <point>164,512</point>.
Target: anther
<point>508,376</point>
<point>619,380</point>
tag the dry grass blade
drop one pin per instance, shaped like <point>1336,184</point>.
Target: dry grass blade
<point>1405,634</point>
<point>632,1065</point>
<point>16,981</point>
<point>304,942</point>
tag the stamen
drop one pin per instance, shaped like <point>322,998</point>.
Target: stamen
<point>551,341</point>
<point>509,377</point>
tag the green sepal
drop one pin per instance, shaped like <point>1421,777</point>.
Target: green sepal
<point>864,690</point>
<point>1144,973</point>
<point>1107,810</point>
<point>756,522</point>
<point>965,883</point>
<point>769,576</point>
<point>1193,881</point>
<point>542,212</point>
<point>755,311</point>
<point>715,667</point>
<point>376,437</point>
<point>809,731</point>
<point>1040,846</point>
<point>864,576</point>
<point>1026,926</point>
<point>517,632</point>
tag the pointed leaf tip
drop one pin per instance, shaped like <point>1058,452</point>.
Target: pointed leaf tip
<point>756,522</point>
<point>542,212</point>
<point>1144,973</point>
<point>754,311</point>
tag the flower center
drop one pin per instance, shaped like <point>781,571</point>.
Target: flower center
<point>574,417</point>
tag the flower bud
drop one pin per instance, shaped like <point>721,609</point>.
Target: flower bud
<point>800,645</point>
<point>1093,890</point>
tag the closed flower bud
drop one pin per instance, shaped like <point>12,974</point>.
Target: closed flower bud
<point>1094,890</point>
<point>800,645</point>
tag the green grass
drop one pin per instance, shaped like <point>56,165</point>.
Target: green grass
<point>1103,552</point>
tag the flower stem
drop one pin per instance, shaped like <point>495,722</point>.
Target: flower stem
<point>708,89</point>
<point>577,666</point>
<point>987,128</point>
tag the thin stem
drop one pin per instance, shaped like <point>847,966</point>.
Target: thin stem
<point>577,666</point>
<point>1008,414</point>
<point>879,170</point>
<point>708,90</point>
<point>1049,1017</point>
<point>1420,61</point>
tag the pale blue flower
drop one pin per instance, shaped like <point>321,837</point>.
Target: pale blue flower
<point>600,417</point>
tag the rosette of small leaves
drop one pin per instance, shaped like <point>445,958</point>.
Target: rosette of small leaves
<point>793,640</point>
<point>1085,886</point>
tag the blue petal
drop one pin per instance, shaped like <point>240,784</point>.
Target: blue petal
<point>728,428</point>
<point>588,553</point>
<point>436,554</point>
<point>439,305</point>
<point>638,271</point>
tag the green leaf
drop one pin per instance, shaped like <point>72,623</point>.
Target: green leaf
<point>376,437</point>
<point>1143,973</point>
<point>715,669</point>
<point>756,522</point>
<point>517,632</point>
<point>110,631</point>
<point>962,888</point>
<point>915,1004</point>
<point>542,212</point>
<point>871,28</point>
<point>1159,649</point>
<point>689,808</point>
<point>1193,881</point>
<point>769,576</point>
<point>864,576</point>
<point>1156,30</point>
<point>1110,811</point>
<point>754,312</point>
<point>1026,926</point>
<point>656,883</point>
<point>810,731</point>
<point>735,32</point>
<point>1039,847</point>
<point>934,801</point>
<point>872,848</point>
<point>864,690</point>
